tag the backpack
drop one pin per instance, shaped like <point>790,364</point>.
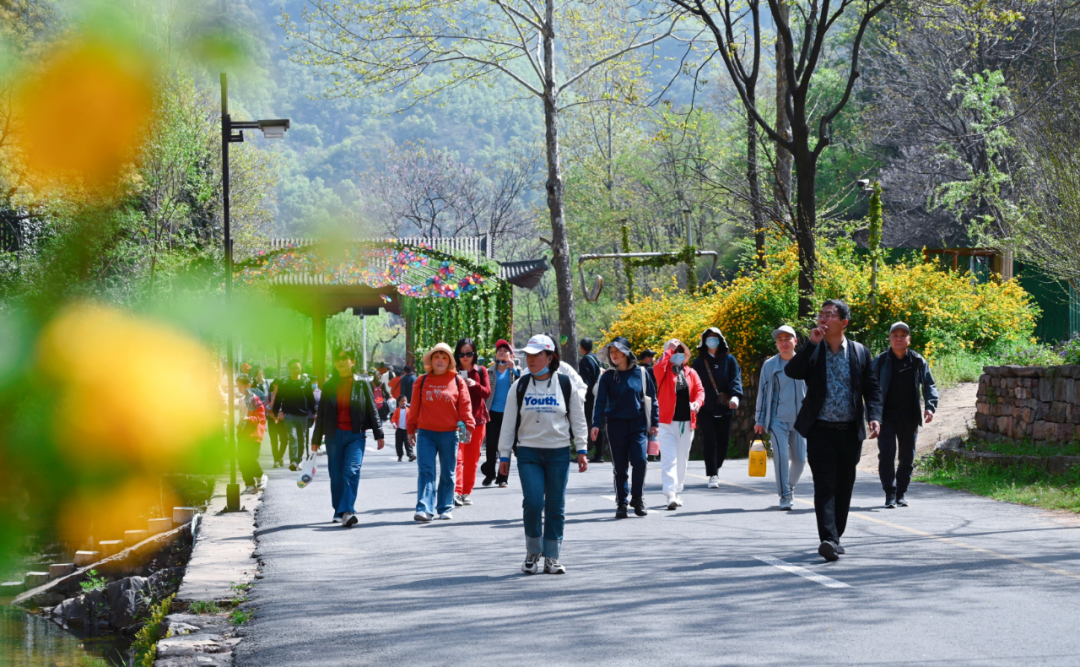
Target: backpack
<point>522,387</point>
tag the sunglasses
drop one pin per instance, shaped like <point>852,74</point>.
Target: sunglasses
<point>467,355</point>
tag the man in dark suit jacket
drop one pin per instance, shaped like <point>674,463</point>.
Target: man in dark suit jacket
<point>841,389</point>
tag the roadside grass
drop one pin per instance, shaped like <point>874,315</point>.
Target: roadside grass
<point>236,616</point>
<point>1025,448</point>
<point>953,368</point>
<point>1023,485</point>
<point>204,608</point>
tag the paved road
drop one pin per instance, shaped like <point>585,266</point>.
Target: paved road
<point>726,580</point>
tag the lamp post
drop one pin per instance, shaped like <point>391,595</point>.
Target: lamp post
<point>271,129</point>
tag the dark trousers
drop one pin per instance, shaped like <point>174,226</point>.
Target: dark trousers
<point>833,455</point>
<point>490,466</point>
<point>715,432</point>
<point>401,443</point>
<point>628,443</point>
<point>279,439</point>
<point>247,459</point>
<point>598,444</point>
<point>895,480</point>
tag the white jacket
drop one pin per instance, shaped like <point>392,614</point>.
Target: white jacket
<point>543,418</point>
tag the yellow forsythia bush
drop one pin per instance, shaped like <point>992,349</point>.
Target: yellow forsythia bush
<point>945,310</point>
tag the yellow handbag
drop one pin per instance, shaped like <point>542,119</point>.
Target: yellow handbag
<point>758,459</point>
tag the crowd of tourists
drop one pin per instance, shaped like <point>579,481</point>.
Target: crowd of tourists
<point>817,401</point>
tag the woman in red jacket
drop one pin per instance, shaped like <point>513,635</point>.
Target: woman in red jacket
<point>476,377</point>
<point>680,394</point>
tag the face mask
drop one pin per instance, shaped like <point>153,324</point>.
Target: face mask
<point>678,359</point>
<point>712,342</point>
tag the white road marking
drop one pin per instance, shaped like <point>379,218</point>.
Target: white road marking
<point>828,582</point>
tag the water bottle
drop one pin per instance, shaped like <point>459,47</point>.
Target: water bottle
<point>462,432</point>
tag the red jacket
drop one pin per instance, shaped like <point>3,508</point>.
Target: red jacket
<point>254,428</point>
<point>665,389</point>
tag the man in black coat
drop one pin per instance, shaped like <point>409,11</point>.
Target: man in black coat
<point>841,390</point>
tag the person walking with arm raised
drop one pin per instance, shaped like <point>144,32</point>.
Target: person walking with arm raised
<point>626,402</point>
<point>545,416</point>
<point>680,395</point>
<point>502,374</point>
<point>841,390</point>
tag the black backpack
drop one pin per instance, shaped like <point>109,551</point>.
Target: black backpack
<point>522,387</point>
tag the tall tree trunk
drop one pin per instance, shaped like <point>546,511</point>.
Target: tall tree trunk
<point>805,222</point>
<point>560,245</point>
<point>754,182</point>
<point>783,123</point>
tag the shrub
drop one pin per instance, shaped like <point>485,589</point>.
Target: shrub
<point>1070,351</point>
<point>144,648</point>
<point>947,313</point>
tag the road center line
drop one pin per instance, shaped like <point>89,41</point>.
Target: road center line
<point>922,533</point>
<point>827,582</point>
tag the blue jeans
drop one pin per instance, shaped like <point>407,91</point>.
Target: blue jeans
<point>628,444</point>
<point>543,474</point>
<point>297,433</point>
<point>428,445</point>
<point>344,456</point>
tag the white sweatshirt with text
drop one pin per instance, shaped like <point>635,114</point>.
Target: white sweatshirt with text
<point>543,418</point>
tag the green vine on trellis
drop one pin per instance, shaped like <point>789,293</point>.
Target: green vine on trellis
<point>485,316</point>
<point>688,256</point>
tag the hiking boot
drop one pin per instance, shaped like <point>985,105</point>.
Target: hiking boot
<point>553,566</point>
<point>639,507</point>
<point>620,512</point>
<point>530,564</point>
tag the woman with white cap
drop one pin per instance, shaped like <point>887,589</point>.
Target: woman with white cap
<point>440,400</point>
<point>545,417</point>
<point>778,401</point>
<point>680,395</point>
<point>621,398</point>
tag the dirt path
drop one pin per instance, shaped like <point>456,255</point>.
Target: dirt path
<point>956,407</point>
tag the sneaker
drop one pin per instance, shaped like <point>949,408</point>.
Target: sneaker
<point>678,500</point>
<point>620,512</point>
<point>785,503</point>
<point>901,501</point>
<point>553,566</point>
<point>348,519</point>
<point>412,458</point>
<point>714,482</point>
<point>488,479</point>
<point>399,459</point>
<point>261,484</point>
<point>249,490</point>
<point>890,502</point>
<point>828,551</point>
<point>502,485</point>
<point>639,507</point>
<point>336,519</point>
<point>530,564</point>
<point>457,500</point>
<point>466,500</point>
<point>446,516</point>
<point>840,549</point>
<point>671,502</point>
<point>422,517</point>
<point>292,466</point>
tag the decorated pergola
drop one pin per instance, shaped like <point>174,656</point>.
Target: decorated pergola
<point>444,288</point>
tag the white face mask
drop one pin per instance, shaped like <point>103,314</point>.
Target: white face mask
<point>712,342</point>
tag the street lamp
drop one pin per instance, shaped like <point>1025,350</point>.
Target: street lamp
<point>271,129</point>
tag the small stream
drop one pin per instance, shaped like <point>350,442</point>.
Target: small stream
<point>31,641</point>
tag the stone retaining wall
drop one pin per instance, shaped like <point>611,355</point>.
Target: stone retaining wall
<point>1035,403</point>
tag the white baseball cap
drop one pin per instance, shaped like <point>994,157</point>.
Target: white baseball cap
<point>539,343</point>
<point>784,329</point>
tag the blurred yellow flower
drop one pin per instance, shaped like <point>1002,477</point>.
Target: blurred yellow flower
<point>107,513</point>
<point>86,113</point>
<point>130,391</point>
